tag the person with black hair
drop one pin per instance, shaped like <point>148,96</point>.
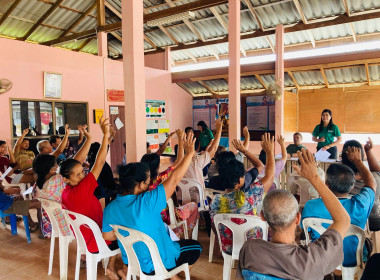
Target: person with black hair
<point>240,198</point>
<point>205,136</point>
<point>296,146</point>
<point>188,211</point>
<point>50,184</point>
<point>373,164</point>
<point>24,157</point>
<point>137,208</point>
<point>340,179</point>
<point>325,134</point>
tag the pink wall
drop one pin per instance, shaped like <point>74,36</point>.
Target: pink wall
<point>155,60</point>
<point>84,79</point>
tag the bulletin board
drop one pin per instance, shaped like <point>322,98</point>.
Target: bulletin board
<point>157,131</point>
<point>155,108</point>
<point>260,113</point>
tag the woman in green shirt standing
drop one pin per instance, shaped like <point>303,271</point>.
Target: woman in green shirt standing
<point>325,134</point>
<point>205,137</point>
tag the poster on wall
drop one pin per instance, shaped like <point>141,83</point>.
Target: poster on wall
<point>260,113</point>
<point>223,113</point>
<point>204,110</point>
<point>153,140</point>
<point>163,126</point>
<point>151,126</point>
<point>155,108</point>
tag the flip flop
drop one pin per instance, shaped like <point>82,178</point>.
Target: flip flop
<point>33,229</point>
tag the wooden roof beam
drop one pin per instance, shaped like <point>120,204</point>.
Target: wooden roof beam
<point>208,88</point>
<point>345,6</point>
<point>85,42</point>
<point>219,18</point>
<point>261,81</point>
<point>214,52</point>
<point>254,14</point>
<point>112,9</point>
<point>300,11</point>
<point>191,56</point>
<point>9,11</point>
<point>101,12</point>
<point>311,37</point>
<point>367,73</point>
<point>150,41</point>
<point>270,44</point>
<point>78,20</point>
<point>42,19</point>
<point>325,78</point>
<point>65,7</point>
<point>353,31</point>
<point>293,79</point>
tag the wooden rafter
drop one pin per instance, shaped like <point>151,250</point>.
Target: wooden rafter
<point>65,7</point>
<point>112,9</point>
<point>261,81</point>
<point>150,42</point>
<point>345,6</point>
<point>293,79</point>
<point>188,23</point>
<point>100,12</point>
<point>311,37</point>
<point>324,77</point>
<point>42,19</point>
<point>191,56</point>
<point>167,33</point>
<point>353,31</point>
<point>208,88</point>
<point>115,52</point>
<point>367,73</point>
<point>254,14</point>
<point>116,36</point>
<point>85,42</point>
<point>300,11</point>
<point>270,43</point>
<point>9,11</point>
<point>78,20</point>
<point>214,52</point>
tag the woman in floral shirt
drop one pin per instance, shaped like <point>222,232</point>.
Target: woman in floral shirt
<point>189,211</point>
<point>240,198</point>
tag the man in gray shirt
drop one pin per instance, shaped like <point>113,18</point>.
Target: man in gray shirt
<point>282,257</point>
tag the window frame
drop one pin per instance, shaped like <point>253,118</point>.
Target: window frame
<point>53,115</point>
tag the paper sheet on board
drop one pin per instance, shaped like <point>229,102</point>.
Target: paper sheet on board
<point>5,173</point>
<point>118,123</point>
<point>322,155</point>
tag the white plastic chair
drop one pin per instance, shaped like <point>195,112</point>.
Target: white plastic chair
<point>185,185</point>
<point>173,220</point>
<point>77,220</point>
<point>239,235</point>
<point>348,273</point>
<point>133,263</point>
<point>50,208</point>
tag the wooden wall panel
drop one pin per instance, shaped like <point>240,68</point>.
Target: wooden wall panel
<point>290,111</point>
<point>313,102</point>
<point>362,110</point>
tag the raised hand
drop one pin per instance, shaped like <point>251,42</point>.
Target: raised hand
<point>180,134</point>
<point>104,125</point>
<point>172,134</point>
<point>308,168</point>
<point>189,143</point>
<point>267,143</point>
<point>218,123</point>
<point>280,140</point>
<point>67,129</point>
<point>369,145</point>
<point>25,132</point>
<point>238,145</point>
<point>354,154</point>
<point>245,132</point>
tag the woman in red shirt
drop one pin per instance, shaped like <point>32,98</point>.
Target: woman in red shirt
<point>78,196</point>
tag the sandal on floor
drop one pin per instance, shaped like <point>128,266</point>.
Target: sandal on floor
<point>34,228</point>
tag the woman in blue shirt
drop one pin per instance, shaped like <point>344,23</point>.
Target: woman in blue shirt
<point>137,208</point>
<point>325,134</point>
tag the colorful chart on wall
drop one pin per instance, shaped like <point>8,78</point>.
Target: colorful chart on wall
<point>153,141</point>
<point>260,113</point>
<point>163,126</point>
<point>155,108</point>
<point>151,126</point>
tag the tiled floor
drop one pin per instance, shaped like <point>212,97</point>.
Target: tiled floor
<point>20,260</point>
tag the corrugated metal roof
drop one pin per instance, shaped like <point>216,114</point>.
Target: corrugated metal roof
<point>318,9</point>
<point>374,72</point>
<point>309,78</point>
<point>217,85</point>
<point>355,6</point>
<point>250,82</point>
<point>346,75</point>
<point>271,79</point>
<point>195,88</point>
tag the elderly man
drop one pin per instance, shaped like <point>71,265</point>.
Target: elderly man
<point>282,257</point>
<point>340,179</point>
<point>44,146</point>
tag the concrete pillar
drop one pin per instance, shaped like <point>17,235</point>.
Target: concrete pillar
<point>102,44</point>
<point>279,74</point>
<point>134,79</point>
<point>234,71</point>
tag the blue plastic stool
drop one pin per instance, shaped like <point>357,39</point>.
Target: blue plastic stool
<point>251,275</point>
<point>13,220</point>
